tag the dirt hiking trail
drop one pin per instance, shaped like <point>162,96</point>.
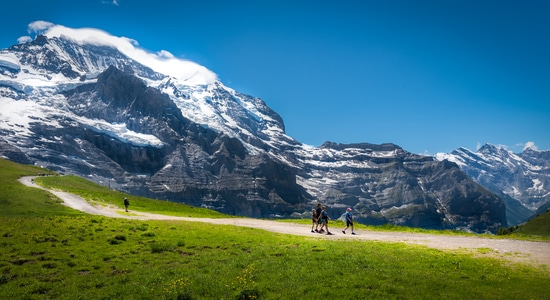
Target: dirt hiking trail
<point>534,253</point>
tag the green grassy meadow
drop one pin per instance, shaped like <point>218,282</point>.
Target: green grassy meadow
<point>538,226</point>
<point>48,251</point>
<point>104,196</point>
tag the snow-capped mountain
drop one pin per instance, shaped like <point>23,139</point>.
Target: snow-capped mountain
<point>64,58</point>
<point>84,102</point>
<point>524,177</point>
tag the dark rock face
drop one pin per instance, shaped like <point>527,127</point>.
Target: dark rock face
<point>12,153</point>
<point>463,201</point>
<point>194,165</point>
<point>230,181</point>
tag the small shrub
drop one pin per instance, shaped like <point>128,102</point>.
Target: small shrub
<point>249,294</point>
<point>142,227</point>
<point>49,265</point>
<point>41,290</point>
<point>120,237</point>
<point>117,239</point>
<point>20,261</point>
<point>114,241</point>
<point>161,247</point>
<point>148,234</point>
<point>246,284</point>
<point>184,296</point>
<point>45,239</point>
<point>177,289</point>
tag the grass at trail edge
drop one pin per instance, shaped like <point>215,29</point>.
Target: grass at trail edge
<point>98,257</point>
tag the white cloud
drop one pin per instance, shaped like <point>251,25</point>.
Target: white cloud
<point>165,54</point>
<point>113,2</point>
<point>24,39</point>
<point>530,145</point>
<point>162,61</point>
<point>39,26</point>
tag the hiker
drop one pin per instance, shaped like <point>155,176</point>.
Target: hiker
<point>349,221</point>
<point>324,219</point>
<point>126,203</point>
<point>313,219</point>
<point>318,211</point>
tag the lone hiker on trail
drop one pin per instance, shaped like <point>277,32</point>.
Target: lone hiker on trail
<point>126,203</point>
<point>349,221</point>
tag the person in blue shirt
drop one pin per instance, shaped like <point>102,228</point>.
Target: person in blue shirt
<point>349,221</point>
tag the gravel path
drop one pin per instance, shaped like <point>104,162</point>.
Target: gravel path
<point>535,253</point>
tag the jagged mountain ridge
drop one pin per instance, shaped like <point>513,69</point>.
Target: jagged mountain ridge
<point>523,180</point>
<point>98,113</point>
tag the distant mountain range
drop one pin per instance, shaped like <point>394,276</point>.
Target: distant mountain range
<point>522,180</point>
<point>92,105</point>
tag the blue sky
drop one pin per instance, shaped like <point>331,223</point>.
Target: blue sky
<point>429,76</point>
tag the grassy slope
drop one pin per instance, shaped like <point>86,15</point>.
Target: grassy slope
<point>18,200</point>
<point>64,254</point>
<point>540,226</point>
<point>100,194</point>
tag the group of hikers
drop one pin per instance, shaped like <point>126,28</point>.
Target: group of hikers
<point>319,216</point>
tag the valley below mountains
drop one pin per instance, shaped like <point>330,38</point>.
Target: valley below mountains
<point>93,110</point>
<point>531,252</point>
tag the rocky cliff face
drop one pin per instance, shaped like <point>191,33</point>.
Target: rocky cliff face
<point>385,184</point>
<point>12,153</point>
<point>188,163</point>
<point>99,114</point>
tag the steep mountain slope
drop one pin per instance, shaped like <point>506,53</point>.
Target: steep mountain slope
<point>522,179</point>
<point>94,108</point>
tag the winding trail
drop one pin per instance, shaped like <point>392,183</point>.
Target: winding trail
<point>534,253</point>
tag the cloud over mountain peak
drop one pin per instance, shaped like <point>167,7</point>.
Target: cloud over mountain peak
<point>163,61</point>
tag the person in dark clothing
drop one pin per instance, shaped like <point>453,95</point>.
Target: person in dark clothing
<point>318,211</point>
<point>313,219</point>
<point>324,220</point>
<point>126,204</point>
